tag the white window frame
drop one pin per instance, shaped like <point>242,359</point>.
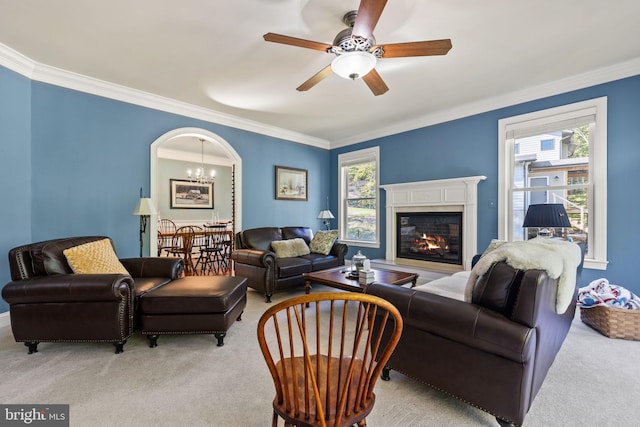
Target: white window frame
<point>597,256</point>
<point>346,159</point>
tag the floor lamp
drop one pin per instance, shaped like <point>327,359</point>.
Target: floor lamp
<point>144,210</point>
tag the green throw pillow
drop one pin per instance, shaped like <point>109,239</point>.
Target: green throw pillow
<point>323,242</point>
<point>290,248</point>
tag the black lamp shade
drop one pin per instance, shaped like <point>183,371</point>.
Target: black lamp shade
<point>547,215</point>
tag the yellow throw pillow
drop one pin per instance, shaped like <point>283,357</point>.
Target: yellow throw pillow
<point>94,258</point>
<point>323,241</point>
<point>290,248</point>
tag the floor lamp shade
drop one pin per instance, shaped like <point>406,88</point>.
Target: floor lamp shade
<point>144,209</point>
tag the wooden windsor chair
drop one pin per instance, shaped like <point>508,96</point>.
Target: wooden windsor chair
<point>198,245</point>
<point>182,245</point>
<point>165,228</point>
<point>212,256</point>
<point>215,254</point>
<point>325,359</point>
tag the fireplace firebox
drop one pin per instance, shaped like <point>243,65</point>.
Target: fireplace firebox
<point>430,236</point>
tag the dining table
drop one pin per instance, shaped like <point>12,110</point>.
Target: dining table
<point>214,232</point>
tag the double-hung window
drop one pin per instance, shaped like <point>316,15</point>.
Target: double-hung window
<point>557,155</point>
<point>358,188</point>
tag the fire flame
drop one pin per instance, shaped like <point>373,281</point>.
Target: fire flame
<point>434,242</point>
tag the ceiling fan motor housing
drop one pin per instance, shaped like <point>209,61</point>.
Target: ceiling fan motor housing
<point>349,43</point>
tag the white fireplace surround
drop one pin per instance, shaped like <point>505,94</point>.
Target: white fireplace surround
<point>455,195</point>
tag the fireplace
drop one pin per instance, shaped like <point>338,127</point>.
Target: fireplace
<point>429,236</point>
<point>450,198</point>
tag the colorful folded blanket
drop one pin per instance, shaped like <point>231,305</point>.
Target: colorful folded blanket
<point>601,292</point>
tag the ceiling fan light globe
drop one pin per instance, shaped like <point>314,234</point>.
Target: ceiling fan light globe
<point>353,65</point>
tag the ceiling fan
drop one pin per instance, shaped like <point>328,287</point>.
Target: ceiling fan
<point>356,49</point>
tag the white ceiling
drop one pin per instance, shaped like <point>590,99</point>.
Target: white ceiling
<point>211,54</point>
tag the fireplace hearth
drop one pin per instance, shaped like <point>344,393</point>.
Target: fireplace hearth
<point>430,236</point>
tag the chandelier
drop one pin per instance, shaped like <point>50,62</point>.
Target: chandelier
<point>200,175</point>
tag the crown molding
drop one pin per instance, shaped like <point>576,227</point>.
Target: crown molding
<point>15,61</point>
<point>21,64</point>
<point>580,81</point>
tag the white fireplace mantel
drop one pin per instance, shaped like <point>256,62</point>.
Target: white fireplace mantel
<point>455,193</point>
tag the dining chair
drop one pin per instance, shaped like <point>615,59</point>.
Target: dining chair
<point>166,228</point>
<point>198,248</point>
<point>212,255</point>
<point>222,258</point>
<point>226,244</point>
<point>181,246</point>
<point>325,359</point>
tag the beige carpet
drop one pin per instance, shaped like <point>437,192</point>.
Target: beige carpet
<point>188,381</point>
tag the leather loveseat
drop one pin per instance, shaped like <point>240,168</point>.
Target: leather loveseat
<point>493,352</point>
<point>49,303</point>
<point>255,259</point>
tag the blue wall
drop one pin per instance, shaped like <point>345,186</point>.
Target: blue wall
<point>469,146</point>
<point>72,164</point>
<point>90,156</point>
<point>96,152</point>
<point>15,167</point>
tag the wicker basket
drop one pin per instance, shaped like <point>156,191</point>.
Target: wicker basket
<point>613,322</point>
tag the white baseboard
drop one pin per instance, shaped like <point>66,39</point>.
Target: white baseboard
<point>5,320</point>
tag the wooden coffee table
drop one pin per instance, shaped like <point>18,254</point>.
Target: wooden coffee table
<point>338,278</point>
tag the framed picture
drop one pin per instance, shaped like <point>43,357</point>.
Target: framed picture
<point>291,183</point>
<point>191,195</point>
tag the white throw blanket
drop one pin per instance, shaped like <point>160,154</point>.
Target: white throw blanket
<point>558,258</point>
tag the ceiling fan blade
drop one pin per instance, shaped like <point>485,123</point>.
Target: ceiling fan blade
<point>375,82</point>
<point>368,15</point>
<point>315,79</point>
<point>426,48</point>
<point>293,41</point>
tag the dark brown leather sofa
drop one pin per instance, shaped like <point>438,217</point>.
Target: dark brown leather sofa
<point>48,303</point>
<point>254,259</point>
<point>492,353</point>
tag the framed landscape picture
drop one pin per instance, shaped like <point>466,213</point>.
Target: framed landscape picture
<point>191,195</point>
<point>291,183</point>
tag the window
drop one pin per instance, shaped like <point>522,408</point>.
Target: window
<point>358,185</point>
<point>561,158</point>
<point>547,144</point>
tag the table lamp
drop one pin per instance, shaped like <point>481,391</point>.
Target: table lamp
<point>326,216</point>
<point>545,217</point>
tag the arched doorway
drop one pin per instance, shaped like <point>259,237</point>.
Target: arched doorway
<point>222,146</point>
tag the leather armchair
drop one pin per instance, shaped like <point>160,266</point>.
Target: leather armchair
<point>47,302</point>
<point>493,352</point>
<point>254,259</point>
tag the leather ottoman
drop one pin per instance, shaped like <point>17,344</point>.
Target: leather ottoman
<point>193,305</point>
